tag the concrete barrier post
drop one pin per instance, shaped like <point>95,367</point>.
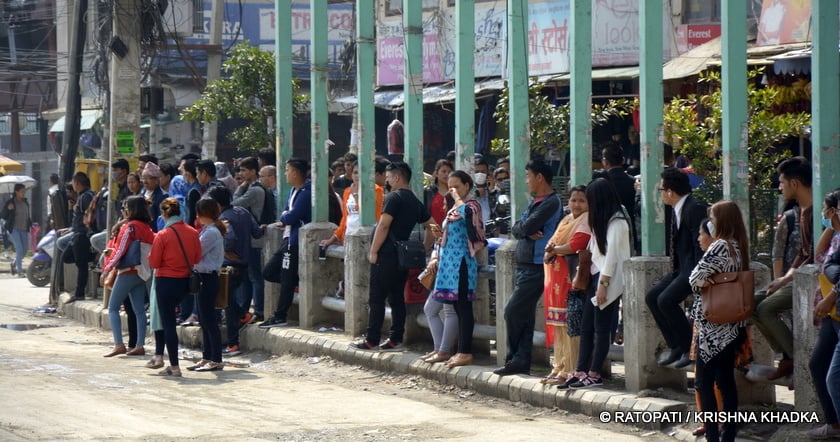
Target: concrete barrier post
<point>642,339</point>
<point>505,271</point>
<point>70,275</point>
<point>356,280</point>
<point>481,305</point>
<point>274,239</point>
<point>754,392</point>
<point>317,278</point>
<point>805,283</point>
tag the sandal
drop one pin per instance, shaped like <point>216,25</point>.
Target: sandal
<point>440,356</point>
<point>428,355</point>
<point>211,366</point>
<point>168,371</point>
<point>459,360</point>
<point>154,363</point>
<point>198,365</point>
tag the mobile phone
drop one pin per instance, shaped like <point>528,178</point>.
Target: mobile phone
<point>322,253</point>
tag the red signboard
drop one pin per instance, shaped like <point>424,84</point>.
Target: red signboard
<point>691,36</point>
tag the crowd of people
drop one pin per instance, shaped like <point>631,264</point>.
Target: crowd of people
<point>199,218</point>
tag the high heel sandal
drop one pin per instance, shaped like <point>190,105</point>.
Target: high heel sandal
<point>460,359</point>
<point>198,365</point>
<point>440,356</point>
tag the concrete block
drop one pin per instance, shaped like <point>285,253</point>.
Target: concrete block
<point>599,402</point>
<point>473,378</point>
<point>586,400</point>
<point>515,388</point>
<point>356,280</point>
<point>564,400</point>
<point>402,362</point>
<point>627,403</point>
<point>461,379</point>
<point>317,278</point>
<point>667,405</point>
<point>485,383</point>
<point>805,283</point>
<point>642,338</point>
<point>505,270</point>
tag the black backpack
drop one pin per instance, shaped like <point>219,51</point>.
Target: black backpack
<point>269,210</point>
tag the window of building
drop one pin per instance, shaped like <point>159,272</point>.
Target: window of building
<point>394,7</point>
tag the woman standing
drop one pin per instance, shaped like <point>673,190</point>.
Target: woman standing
<point>610,247</point>
<point>434,195</point>
<point>463,236</point>
<point>128,283</point>
<point>212,255</point>
<point>717,343</point>
<point>134,184</point>
<point>175,251</point>
<point>18,222</point>
<point>824,361</point>
<point>572,235</point>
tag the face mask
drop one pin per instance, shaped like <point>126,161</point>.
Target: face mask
<point>480,178</point>
<point>115,176</point>
<point>826,222</point>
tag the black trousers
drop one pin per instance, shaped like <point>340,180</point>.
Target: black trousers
<point>719,370</point>
<point>387,282</point>
<point>464,309</point>
<point>664,302</point>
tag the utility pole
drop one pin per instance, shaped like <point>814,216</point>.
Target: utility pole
<point>214,67</point>
<point>73,106</point>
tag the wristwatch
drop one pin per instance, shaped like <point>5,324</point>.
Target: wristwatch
<point>604,283</point>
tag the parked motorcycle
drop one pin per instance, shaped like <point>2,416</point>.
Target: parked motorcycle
<point>39,271</point>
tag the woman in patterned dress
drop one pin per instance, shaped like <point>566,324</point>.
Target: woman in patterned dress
<point>463,237</point>
<point>571,236</point>
<point>717,343</point>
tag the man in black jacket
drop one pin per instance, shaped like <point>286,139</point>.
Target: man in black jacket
<point>612,158</point>
<point>665,298</point>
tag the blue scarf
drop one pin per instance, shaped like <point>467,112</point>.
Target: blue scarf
<point>172,220</point>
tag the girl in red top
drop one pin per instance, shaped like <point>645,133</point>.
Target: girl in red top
<point>175,251</point>
<point>127,282</point>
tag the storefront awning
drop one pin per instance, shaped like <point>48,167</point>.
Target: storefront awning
<point>692,62</point>
<point>394,98</point>
<point>89,119</point>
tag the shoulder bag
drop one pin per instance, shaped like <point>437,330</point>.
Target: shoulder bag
<point>195,278</point>
<point>729,297</point>
<point>410,254</point>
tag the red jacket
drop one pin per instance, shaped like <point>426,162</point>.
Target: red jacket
<point>166,257</point>
<point>133,230</point>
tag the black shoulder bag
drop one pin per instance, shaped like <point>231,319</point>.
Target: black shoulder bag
<point>195,279</point>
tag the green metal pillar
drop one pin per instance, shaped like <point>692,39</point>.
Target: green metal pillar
<point>465,85</point>
<point>365,79</point>
<point>413,91</point>
<point>320,110</point>
<point>580,88</point>
<point>283,94</point>
<point>736,170</point>
<point>825,107</point>
<point>519,127</point>
<point>650,103</point>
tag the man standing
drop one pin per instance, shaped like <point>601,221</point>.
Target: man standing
<point>78,240</point>
<point>532,231</point>
<point>205,174</point>
<point>795,177</point>
<point>268,178</point>
<point>665,298</point>
<point>250,195</point>
<point>297,213</point>
<point>401,211</point>
<point>51,193</point>
<point>612,158</point>
<point>487,200</point>
<point>119,174</point>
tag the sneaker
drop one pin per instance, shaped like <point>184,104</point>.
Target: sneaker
<point>569,381</point>
<point>274,322</point>
<point>362,344</point>
<point>824,432</point>
<point>258,317</point>
<point>246,319</point>
<point>231,350</point>
<point>586,382</point>
<point>390,345</point>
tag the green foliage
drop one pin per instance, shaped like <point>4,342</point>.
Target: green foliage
<point>693,127</point>
<point>550,124</point>
<point>246,92</point>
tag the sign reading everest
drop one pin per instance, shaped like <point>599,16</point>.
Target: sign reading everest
<point>691,36</point>
<point>615,40</point>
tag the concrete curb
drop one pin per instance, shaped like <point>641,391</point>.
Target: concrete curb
<point>480,379</point>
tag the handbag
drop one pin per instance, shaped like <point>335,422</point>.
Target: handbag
<point>410,254</point>
<point>574,312</point>
<point>195,278</point>
<point>729,297</point>
<point>583,276</point>
<point>429,275</point>
<point>222,295</point>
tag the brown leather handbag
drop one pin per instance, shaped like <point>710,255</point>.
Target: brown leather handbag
<point>729,297</point>
<point>583,276</point>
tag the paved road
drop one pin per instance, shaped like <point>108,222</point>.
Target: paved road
<point>57,385</point>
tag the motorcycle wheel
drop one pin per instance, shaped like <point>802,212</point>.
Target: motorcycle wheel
<point>38,273</point>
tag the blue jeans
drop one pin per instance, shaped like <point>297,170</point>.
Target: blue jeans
<point>253,286</point>
<point>131,286</point>
<point>20,239</point>
<point>820,365</point>
<point>520,314</point>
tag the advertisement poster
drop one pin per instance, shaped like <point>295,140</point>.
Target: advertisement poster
<point>784,21</point>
